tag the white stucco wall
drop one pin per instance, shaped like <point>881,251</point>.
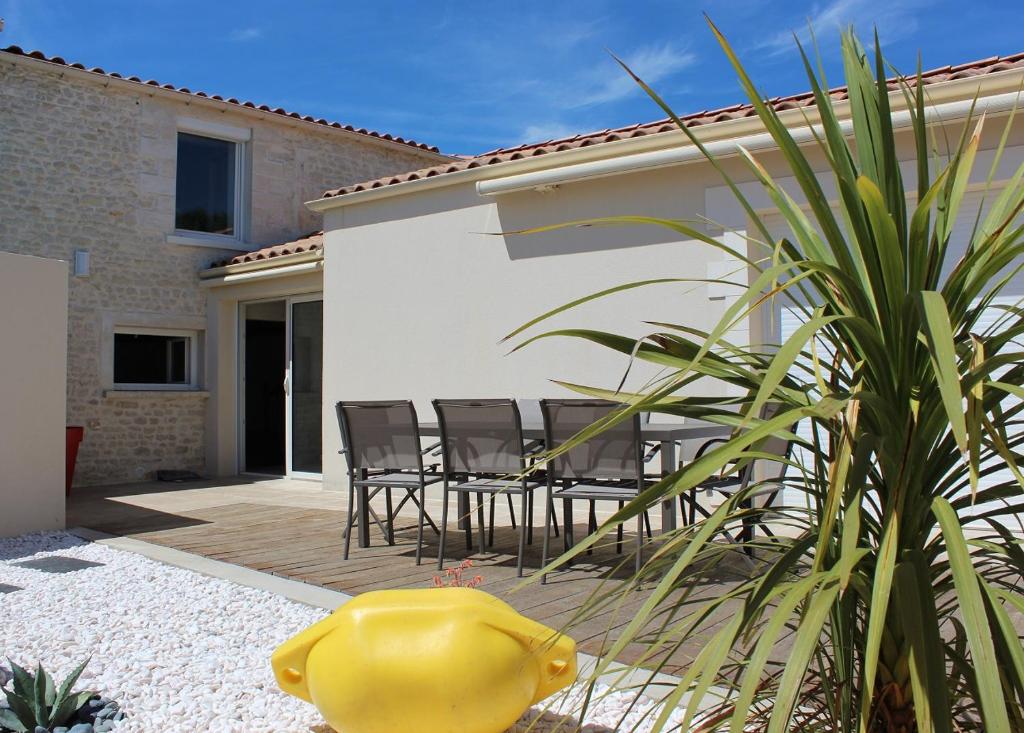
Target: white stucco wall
<point>33,331</point>
<point>419,290</point>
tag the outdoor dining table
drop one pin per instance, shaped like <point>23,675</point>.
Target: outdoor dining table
<point>666,434</point>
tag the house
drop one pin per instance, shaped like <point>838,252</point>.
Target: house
<point>212,326</point>
<point>420,283</point>
<point>140,185</point>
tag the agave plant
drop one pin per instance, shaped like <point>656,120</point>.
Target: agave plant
<point>876,610</point>
<point>35,702</point>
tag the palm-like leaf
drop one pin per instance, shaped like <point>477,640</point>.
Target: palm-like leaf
<point>876,611</point>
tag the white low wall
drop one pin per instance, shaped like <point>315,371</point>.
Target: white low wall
<point>33,334</point>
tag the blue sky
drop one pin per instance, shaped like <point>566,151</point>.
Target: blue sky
<point>473,76</point>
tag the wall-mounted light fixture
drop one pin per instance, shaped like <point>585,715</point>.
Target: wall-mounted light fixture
<point>81,265</point>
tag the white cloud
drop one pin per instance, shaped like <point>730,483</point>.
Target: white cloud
<point>894,19</point>
<point>611,84</point>
<point>537,133</point>
<point>245,34</point>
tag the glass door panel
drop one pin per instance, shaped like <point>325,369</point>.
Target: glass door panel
<point>306,386</point>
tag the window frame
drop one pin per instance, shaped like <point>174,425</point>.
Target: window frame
<point>191,382</point>
<point>240,137</point>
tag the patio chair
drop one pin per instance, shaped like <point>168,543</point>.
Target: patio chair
<point>381,443</point>
<point>608,467</point>
<point>769,474</point>
<point>483,452</point>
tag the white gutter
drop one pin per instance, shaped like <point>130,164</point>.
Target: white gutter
<point>544,179</point>
<point>265,274</point>
<point>268,263</point>
<point>938,94</point>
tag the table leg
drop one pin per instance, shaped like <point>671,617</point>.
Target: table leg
<point>463,505</point>
<point>668,465</point>
<point>364,512</point>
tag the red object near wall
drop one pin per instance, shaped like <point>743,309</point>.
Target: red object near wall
<point>74,436</point>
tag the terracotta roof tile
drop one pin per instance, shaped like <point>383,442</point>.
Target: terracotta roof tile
<point>989,65</point>
<point>307,243</point>
<point>59,61</point>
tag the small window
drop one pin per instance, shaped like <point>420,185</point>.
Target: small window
<point>153,360</point>
<point>207,183</point>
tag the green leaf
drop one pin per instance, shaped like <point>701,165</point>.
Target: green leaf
<point>9,720</point>
<point>65,687</point>
<point>38,699</point>
<point>808,638</point>
<point>916,606</point>
<point>975,620</point>
<point>22,679</point>
<point>942,353</point>
<point>881,588</point>
<point>21,708</point>
<point>68,707</point>
<point>50,690</point>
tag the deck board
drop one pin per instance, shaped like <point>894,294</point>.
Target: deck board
<point>305,543</point>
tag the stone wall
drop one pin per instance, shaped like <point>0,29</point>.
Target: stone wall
<point>88,163</point>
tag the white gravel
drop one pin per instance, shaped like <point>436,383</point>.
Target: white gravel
<point>181,651</point>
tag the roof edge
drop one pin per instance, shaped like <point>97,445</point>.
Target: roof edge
<point>937,92</point>
<point>273,263</point>
<point>15,54</point>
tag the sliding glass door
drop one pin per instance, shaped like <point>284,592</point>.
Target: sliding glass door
<point>305,385</point>
<point>281,395</point>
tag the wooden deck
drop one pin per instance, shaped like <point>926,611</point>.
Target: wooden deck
<point>294,529</point>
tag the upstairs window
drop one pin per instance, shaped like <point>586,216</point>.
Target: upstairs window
<point>208,174</point>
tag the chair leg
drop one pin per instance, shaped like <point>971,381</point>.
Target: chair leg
<point>528,519</point>
<point>592,523</point>
<point>391,516</point>
<point>748,530</point>
<point>490,531</point>
<point>350,522</point>
<point>480,520</point>
<point>419,530</point>
<point>426,517</point>
<point>467,520</point>
<point>511,509</point>
<point>553,513</point>
<point>639,543</point>
<point>618,532</point>
<point>549,502</point>
<point>522,532</point>
<point>647,523</point>
<point>444,526</point>
<point>567,528</point>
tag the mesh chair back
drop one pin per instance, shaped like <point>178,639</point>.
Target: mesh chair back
<point>380,435</point>
<point>614,454</point>
<point>767,469</point>
<point>480,436</point>
<point>529,410</point>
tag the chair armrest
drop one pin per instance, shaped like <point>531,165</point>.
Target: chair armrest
<point>655,449</point>
<point>534,446</point>
<point>708,444</point>
<point>429,448</point>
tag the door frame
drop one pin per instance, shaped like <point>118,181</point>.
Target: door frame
<point>289,302</point>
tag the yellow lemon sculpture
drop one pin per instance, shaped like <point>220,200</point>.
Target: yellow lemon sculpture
<point>438,660</point>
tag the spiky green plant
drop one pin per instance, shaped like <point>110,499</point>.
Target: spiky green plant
<point>35,702</point>
<point>876,610</point>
